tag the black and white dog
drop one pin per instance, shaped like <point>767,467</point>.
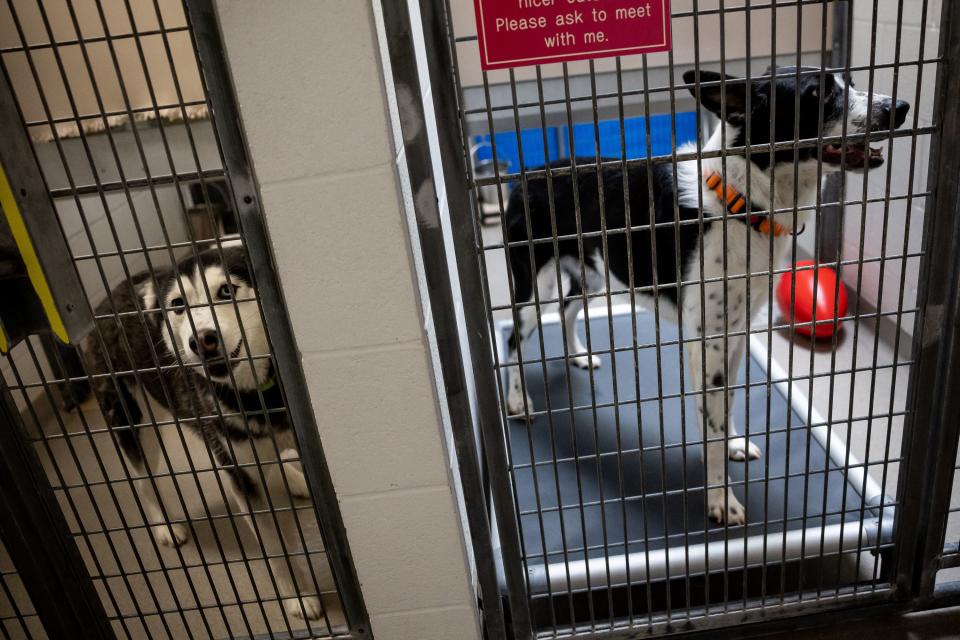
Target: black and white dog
<point>168,318</point>
<point>794,173</point>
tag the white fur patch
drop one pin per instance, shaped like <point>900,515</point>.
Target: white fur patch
<point>148,295</point>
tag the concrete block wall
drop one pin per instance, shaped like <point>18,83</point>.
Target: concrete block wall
<point>314,109</point>
<point>885,296</point>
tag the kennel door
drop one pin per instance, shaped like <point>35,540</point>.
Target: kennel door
<point>132,528</point>
<point>596,492</point>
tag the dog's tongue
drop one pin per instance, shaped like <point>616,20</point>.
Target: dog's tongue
<point>853,155</point>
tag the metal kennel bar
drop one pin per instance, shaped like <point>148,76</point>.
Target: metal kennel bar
<point>132,115</point>
<point>850,513</point>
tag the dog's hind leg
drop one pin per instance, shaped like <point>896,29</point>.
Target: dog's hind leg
<point>518,401</point>
<point>577,353</point>
<point>707,368</point>
<point>122,413</point>
<point>249,499</point>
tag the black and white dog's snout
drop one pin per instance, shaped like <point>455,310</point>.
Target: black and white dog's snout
<point>891,117</point>
<point>886,114</point>
<point>206,343</point>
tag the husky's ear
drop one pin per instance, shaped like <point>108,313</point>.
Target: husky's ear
<point>729,100</point>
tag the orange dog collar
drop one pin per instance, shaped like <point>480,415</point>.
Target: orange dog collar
<point>736,203</point>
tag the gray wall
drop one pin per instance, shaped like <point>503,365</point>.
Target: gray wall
<point>871,219</point>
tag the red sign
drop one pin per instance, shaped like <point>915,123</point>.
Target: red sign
<point>516,33</point>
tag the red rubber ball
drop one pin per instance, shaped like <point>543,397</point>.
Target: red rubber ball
<point>829,299</point>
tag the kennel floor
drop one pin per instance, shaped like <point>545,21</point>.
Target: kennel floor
<point>612,476</point>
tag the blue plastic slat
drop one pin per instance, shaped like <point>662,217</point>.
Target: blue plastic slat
<point>635,136</point>
<point>533,150</point>
<point>584,143</point>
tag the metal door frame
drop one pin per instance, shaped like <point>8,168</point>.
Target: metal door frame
<point>57,581</point>
<point>931,432</point>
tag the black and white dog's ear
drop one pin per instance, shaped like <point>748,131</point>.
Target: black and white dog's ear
<point>728,100</point>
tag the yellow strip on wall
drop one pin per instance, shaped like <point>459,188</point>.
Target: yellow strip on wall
<point>12,212</point>
<point>4,344</point>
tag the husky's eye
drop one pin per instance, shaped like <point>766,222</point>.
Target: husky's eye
<point>177,305</point>
<point>226,291</point>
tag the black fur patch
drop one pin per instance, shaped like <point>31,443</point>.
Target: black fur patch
<point>717,380</point>
<point>130,443</point>
<point>243,483</point>
<point>123,413</point>
<point>249,401</point>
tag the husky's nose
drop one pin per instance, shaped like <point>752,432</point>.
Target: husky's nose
<point>899,114</point>
<point>207,343</point>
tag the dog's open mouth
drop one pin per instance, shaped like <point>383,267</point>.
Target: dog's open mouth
<point>219,366</point>
<point>852,155</point>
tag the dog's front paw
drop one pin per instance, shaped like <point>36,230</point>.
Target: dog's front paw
<point>586,361</point>
<point>304,608</point>
<point>740,449</point>
<point>518,405</point>
<point>723,507</point>
<point>170,535</point>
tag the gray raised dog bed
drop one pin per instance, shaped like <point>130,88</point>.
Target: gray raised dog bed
<point>631,483</point>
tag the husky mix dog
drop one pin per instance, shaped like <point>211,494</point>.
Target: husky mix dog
<point>201,313</point>
<point>832,108</point>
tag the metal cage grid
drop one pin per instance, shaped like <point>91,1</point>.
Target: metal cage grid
<point>869,446</point>
<point>124,167</point>
<point>18,619</point>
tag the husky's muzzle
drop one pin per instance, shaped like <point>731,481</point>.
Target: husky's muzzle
<point>209,347</point>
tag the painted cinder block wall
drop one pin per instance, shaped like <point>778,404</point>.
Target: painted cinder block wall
<point>315,112</point>
<point>885,296</point>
